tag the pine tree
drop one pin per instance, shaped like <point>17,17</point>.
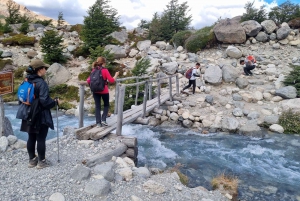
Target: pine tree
<point>284,12</point>
<point>253,13</point>
<point>60,18</point>
<point>101,21</point>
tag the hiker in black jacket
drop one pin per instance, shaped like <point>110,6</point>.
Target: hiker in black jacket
<point>37,133</point>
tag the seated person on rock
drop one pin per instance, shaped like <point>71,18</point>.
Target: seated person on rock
<point>249,64</point>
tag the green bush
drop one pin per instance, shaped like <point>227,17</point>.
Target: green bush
<point>293,79</point>
<point>81,51</point>
<point>24,28</point>
<point>20,72</point>
<point>290,121</point>
<point>203,38</point>
<point>83,76</point>
<point>64,92</point>
<point>19,39</point>
<point>5,28</point>
<point>43,22</point>
<point>66,106</point>
<point>141,66</point>
<point>180,37</point>
<point>3,62</point>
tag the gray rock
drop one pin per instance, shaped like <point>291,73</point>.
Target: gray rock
<point>153,122</point>
<point>6,54</point>
<point>251,129</point>
<point>292,104</point>
<point>169,47</point>
<point>81,173</point>
<point>106,170</point>
<point>174,116</point>
<point>7,127</point>
<point>209,99</point>
<point>239,104</point>
<point>161,45</point>
<point>273,36</point>
<point>169,68</point>
<point>253,115</point>
<point>242,83</point>
<point>142,172</point>
<point>12,139</point>
<point>237,97</point>
<point>269,26</point>
<point>230,31</point>
<point>276,46</point>
<point>251,27</point>
<point>58,74</point>
<point>98,187</point>
<point>230,124</point>
<point>20,144</point>
<point>246,112</point>
<point>173,108</point>
<point>229,74</point>
<point>283,33</point>
<point>118,51</point>
<point>237,112</point>
<point>71,48</point>
<point>272,119</point>
<point>120,36</point>
<point>262,37</point>
<point>3,144</point>
<point>31,54</point>
<point>233,52</point>
<point>57,197</point>
<point>187,123</point>
<point>288,92</point>
<point>143,45</point>
<point>213,75</point>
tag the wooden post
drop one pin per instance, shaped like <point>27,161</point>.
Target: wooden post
<point>137,92</point>
<point>145,99</point>
<point>81,105</point>
<point>177,85</point>
<point>150,90</point>
<point>158,91</point>
<point>1,117</point>
<point>116,96</point>
<point>170,88</point>
<point>120,109</point>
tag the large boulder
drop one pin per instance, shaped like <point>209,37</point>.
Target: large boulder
<point>230,124</point>
<point>242,83</point>
<point>230,31</point>
<point>288,92</point>
<point>169,68</point>
<point>233,52</point>
<point>213,75</point>
<point>120,36</point>
<point>292,104</point>
<point>294,23</point>
<point>283,32</point>
<point>269,26</point>
<point>251,129</point>
<point>118,51</point>
<point>143,45</point>
<point>58,74</point>
<point>8,130</point>
<point>229,73</point>
<point>251,27</point>
<point>262,37</point>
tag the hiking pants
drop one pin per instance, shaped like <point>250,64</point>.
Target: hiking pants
<point>191,82</point>
<point>97,98</point>
<point>39,139</point>
<point>247,69</point>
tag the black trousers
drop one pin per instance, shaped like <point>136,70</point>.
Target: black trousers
<point>191,82</point>
<point>247,70</point>
<point>97,98</point>
<point>40,140</point>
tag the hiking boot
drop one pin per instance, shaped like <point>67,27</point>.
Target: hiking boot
<point>99,125</point>
<point>33,162</point>
<point>42,164</point>
<point>104,123</point>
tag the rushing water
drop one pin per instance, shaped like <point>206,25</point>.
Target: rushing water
<point>268,169</point>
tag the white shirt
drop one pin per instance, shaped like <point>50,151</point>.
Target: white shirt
<point>193,72</point>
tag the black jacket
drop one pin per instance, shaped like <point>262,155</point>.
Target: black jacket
<point>46,102</point>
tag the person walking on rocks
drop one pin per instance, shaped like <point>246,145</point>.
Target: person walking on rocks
<point>249,64</point>
<point>192,79</point>
<point>104,95</point>
<point>37,133</point>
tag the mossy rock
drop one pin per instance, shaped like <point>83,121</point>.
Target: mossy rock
<point>4,62</point>
<point>203,38</point>
<point>180,37</point>
<point>19,39</point>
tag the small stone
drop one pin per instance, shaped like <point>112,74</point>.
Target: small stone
<point>57,197</point>
<point>228,196</point>
<point>135,198</point>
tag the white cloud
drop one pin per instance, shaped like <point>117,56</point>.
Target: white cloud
<point>132,11</point>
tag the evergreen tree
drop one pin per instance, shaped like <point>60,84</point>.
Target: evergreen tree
<point>60,18</point>
<point>51,45</point>
<point>14,16</point>
<point>284,12</point>
<point>253,13</point>
<point>155,27</point>
<point>101,21</point>
<point>144,24</point>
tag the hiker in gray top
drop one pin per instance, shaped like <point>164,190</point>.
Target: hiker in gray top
<point>192,80</point>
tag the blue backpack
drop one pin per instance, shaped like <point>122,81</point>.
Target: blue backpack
<point>26,92</point>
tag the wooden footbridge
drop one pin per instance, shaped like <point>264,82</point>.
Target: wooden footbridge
<point>121,117</point>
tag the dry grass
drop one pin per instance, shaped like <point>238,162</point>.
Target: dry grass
<point>226,183</point>
<point>183,178</point>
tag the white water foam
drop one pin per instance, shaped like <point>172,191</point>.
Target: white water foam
<point>258,150</point>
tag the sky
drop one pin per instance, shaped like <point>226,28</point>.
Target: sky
<point>204,13</point>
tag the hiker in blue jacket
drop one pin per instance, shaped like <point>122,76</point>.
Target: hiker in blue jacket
<point>37,134</point>
<point>192,80</point>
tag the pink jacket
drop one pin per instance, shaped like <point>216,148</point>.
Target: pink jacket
<point>106,76</point>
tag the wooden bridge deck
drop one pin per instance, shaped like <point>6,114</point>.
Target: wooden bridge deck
<point>92,132</point>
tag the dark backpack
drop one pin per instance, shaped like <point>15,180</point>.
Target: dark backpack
<point>97,83</point>
<point>188,73</point>
<point>35,112</point>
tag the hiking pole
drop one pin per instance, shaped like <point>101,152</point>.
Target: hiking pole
<point>57,130</point>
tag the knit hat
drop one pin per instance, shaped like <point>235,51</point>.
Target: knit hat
<point>37,63</point>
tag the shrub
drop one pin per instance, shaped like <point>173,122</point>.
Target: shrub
<point>77,27</point>
<point>180,37</point>
<point>228,183</point>
<point>83,76</point>
<point>182,177</point>
<point>5,28</point>
<point>293,79</point>
<point>19,73</point>
<point>253,13</point>
<point>64,92</point>
<point>290,121</point>
<point>24,28</point>
<point>3,62</point>
<point>19,39</point>
<point>44,22</point>
<point>81,51</point>
<point>141,66</point>
<point>66,106</point>
<point>203,38</point>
